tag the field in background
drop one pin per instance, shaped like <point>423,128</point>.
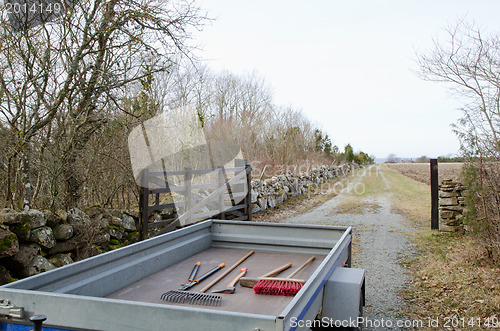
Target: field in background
<point>421,171</point>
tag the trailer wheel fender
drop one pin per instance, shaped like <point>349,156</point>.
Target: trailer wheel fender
<point>344,296</point>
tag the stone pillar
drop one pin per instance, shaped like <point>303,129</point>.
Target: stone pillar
<point>451,205</point>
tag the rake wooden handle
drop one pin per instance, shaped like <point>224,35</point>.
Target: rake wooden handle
<point>277,270</point>
<point>216,280</point>
<point>302,266</point>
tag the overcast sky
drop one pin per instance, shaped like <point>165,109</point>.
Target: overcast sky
<point>348,64</point>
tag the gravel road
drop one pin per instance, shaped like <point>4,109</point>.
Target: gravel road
<point>380,241</point>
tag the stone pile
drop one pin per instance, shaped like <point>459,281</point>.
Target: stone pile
<point>451,205</point>
<point>271,192</point>
<point>35,241</point>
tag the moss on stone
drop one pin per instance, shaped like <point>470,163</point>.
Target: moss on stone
<point>6,243</point>
<point>133,237</point>
<point>112,247</point>
<point>99,249</point>
<point>22,230</point>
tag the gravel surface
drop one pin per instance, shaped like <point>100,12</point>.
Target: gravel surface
<point>380,241</point>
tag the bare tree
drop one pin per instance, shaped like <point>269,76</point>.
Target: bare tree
<point>78,67</point>
<point>392,158</point>
<point>469,63</point>
<point>422,159</point>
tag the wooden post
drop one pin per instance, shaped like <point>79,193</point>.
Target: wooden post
<point>434,195</point>
<point>222,182</point>
<point>188,176</point>
<point>242,164</point>
<point>248,199</point>
<point>144,205</point>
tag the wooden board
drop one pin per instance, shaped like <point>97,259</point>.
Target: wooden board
<point>244,300</point>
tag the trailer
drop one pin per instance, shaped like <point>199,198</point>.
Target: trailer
<point>121,289</point>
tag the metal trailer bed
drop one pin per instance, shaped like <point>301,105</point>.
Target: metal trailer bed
<point>120,290</point>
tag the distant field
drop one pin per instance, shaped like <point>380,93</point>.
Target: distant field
<point>421,171</point>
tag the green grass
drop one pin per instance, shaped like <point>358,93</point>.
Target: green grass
<point>370,185</point>
<point>409,197</point>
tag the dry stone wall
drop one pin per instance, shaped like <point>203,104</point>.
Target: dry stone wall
<point>274,191</point>
<point>452,205</point>
<point>35,241</point>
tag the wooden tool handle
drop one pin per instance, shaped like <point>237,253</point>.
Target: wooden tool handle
<point>216,280</point>
<point>278,270</point>
<point>302,266</point>
<point>237,278</point>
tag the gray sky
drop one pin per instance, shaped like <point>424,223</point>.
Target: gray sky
<point>348,64</point>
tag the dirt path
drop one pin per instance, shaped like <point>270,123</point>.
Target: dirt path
<point>380,239</point>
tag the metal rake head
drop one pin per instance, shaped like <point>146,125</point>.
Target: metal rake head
<point>192,298</point>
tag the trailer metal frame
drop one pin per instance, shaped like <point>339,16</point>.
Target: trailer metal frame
<point>72,297</point>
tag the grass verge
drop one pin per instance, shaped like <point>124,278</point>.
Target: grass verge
<point>409,197</point>
<point>451,279</point>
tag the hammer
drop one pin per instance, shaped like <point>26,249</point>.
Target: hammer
<point>230,289</point>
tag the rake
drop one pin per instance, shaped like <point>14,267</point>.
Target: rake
<point>195,298</point>
<point>200,298</point>
<point>281,286</point>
